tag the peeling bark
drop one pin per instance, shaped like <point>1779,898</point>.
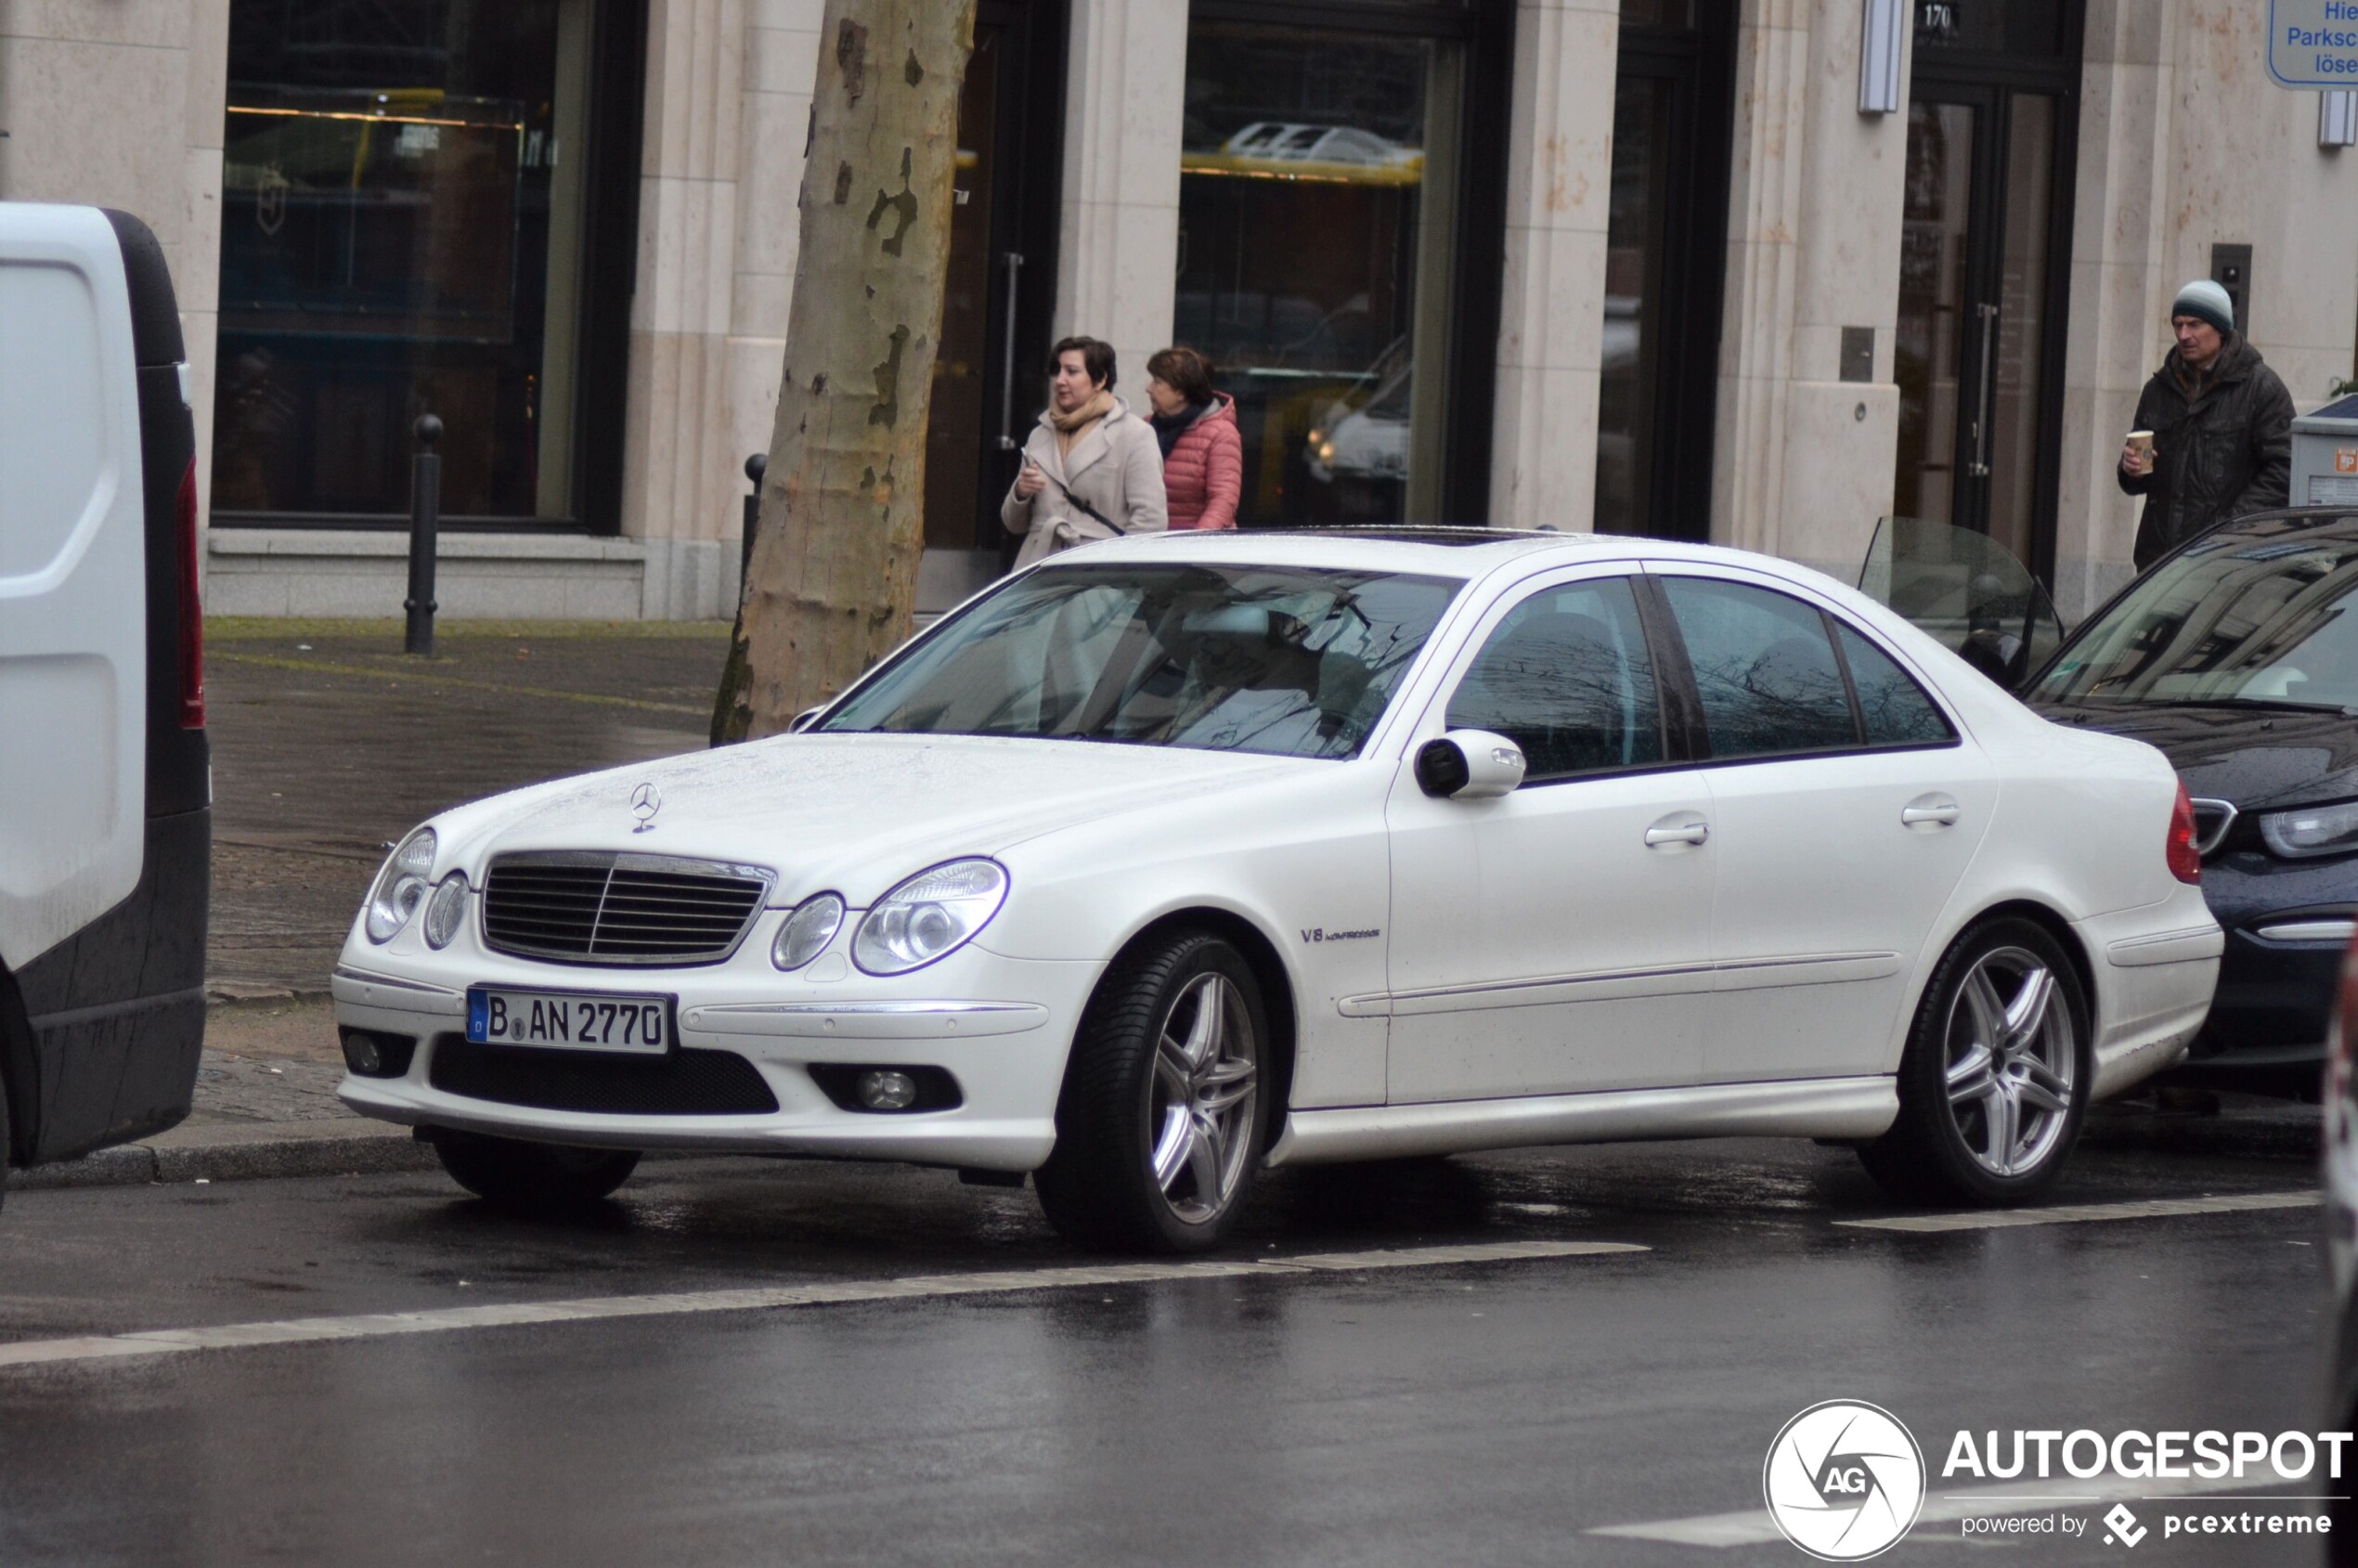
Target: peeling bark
<point>833,581</point>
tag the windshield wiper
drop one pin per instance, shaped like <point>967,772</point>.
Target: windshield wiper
<point>2278,705</point>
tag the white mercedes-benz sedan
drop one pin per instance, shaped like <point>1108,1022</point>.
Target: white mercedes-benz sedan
<point>1177,858</point>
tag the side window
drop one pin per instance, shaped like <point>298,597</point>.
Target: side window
<point>1764,668</point>
<point>1893,707</point>
<point>1567,677</point>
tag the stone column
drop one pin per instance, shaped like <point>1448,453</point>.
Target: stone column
<point>1551,311</point>
<point>1803,464</point>
<point>1117,270</point>
<point>119,104</point>
<point>781,64</point>
<point>678,432</point>
<point>2120,297</point>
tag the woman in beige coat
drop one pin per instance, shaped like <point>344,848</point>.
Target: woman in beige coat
<point>1092,469</point>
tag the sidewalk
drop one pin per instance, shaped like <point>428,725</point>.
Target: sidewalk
<point>328,743</point>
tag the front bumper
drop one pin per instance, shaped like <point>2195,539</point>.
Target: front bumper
<point>2267,1023</point>
<point>1001,1028</point>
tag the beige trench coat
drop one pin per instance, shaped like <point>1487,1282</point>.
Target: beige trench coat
<point>1116,467</point>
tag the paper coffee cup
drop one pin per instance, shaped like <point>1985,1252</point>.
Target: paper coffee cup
<point>2142,440</point>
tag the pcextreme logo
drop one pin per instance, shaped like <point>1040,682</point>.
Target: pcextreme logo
<point>1844,1481</point>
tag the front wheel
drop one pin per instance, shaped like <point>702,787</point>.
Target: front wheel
<point>1159,1126</point>
<point>1995,1078</point>
<point>532,1178</point>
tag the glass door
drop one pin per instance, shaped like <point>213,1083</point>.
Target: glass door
<point>1981,292</point>
<point>987,377</point>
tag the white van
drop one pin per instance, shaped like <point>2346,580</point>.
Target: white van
<point>106,793</point>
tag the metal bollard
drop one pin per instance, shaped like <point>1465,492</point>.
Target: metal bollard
<point>756,466</point>
<point>425,514</point>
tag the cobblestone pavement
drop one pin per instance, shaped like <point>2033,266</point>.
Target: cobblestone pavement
<point>328,742</point>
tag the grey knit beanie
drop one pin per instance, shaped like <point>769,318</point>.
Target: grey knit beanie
<point>2207,300</point>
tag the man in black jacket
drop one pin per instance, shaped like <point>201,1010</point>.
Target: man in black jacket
<point>2221,424</point>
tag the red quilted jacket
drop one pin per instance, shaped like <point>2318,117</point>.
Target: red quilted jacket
<point>1205,473</point>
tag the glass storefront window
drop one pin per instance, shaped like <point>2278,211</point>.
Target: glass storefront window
<point>1318,204</point>
<point>402,200</point>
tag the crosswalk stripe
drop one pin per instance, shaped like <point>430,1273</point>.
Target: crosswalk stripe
<point>2078,1213</point>
<point>300,1331</point>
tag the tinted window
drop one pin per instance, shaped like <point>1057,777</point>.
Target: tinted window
<point>1290,661</point>
<point>1567,676</point>
<point>1764,668</point>
<point>1894,707</point>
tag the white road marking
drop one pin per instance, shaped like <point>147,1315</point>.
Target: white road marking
<point>299,1330</point>
<point>1945,1508</point>
<point>2073,1213</point>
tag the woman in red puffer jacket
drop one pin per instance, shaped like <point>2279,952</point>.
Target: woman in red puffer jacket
<point>1203,458</point>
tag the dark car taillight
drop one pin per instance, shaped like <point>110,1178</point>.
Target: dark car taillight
<point>191,610</point>
<point>2185,861</point>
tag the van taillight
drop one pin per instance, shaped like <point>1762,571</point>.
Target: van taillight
<point>191,610</point>
<point>2185,861</point>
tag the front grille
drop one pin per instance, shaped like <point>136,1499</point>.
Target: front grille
<point>584,907</point>
<point>686,1083</point>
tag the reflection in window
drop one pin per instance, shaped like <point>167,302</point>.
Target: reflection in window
<point>402,197</point>
<point>1893,708</point>
<point>1567,678</point>
<point>1297,662</point>
<point>1316,201</point>
<point>1764,669</point>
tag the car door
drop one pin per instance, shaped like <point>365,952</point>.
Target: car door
<point>1555,937</point>
<point>1845,809</point>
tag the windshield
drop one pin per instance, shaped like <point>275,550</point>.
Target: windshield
<point>2257,616</point>
<point>1967,591</point>
<point>1285,660</point>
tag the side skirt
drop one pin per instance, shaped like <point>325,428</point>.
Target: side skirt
<point>1819,1108</point>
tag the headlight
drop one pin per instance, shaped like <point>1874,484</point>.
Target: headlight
<point>929,916</point>
<point>401,886</point>
<point>444,910</point>
<point>2312,830</point>
<point>806,931</point>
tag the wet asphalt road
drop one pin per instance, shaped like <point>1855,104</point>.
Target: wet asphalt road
<point>1472,1413</point>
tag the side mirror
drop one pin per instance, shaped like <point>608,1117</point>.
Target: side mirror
<point>804,719</point>
<point>1469,765</point>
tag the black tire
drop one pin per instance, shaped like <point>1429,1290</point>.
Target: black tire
<point>1955,1092</point>
<point>1122,1090</point>
<point>529,1178</point>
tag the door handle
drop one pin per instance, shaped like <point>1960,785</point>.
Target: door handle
<point>1683,828</point>
<point>1007,360</point>
<point>1979,467</point>
<point>1930,810</point>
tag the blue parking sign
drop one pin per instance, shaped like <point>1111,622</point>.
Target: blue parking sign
<point>2313,42</point>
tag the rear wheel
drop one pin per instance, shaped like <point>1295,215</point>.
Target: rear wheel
<point>532,1178</point>
<point>1996,1074</point>
<point>1159,1126</point>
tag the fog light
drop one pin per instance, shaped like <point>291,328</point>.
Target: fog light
<point>361,1053</point>
<point>887,1091</point>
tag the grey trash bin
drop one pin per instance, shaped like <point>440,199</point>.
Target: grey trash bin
<point>2325,456</point>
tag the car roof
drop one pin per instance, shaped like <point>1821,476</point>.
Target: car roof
<point>1466,553</point>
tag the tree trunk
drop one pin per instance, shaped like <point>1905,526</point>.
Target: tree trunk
<point>833,576</point>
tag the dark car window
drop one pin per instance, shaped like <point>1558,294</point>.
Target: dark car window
<point>2258,614</point>
<point>1764,668</point>
<point>1567,676</point>
<point>1286,660</point>
<point>1893,707</point>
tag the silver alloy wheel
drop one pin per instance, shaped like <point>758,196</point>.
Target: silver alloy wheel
<point>1200,1110</point>
<point>2012,1056</point>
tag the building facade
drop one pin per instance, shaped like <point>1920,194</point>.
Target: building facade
<point>1759,271</point>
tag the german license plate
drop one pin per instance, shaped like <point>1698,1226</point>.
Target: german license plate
<point>569,1021</point>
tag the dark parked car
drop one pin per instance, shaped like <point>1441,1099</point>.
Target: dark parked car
<point>2237,655</point>
<point>2341,1241</point>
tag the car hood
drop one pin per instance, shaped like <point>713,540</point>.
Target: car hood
<point>2256,757</point>
<point>856,813</point>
